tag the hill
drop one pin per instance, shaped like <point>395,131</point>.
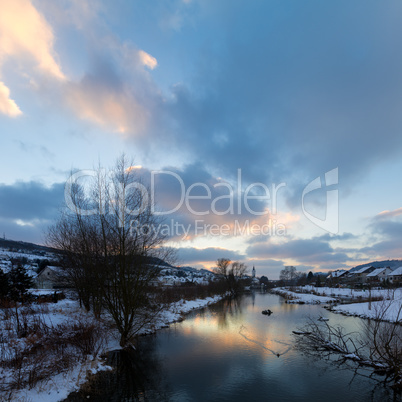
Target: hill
<point>14,245</point>
<point>379,264</point>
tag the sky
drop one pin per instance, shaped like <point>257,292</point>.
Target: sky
<point>269,131</point>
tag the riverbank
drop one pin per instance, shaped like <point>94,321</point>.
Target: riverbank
<point>364,303</point>
<point>231,352</point>
<point>302,298</point>
<point>65,315</point>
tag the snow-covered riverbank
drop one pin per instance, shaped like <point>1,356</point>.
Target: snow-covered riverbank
<point>388,309</point>
<point>59,386</point>
<point>306,298</point>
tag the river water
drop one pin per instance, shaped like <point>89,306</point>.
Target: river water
<point>231,352</point>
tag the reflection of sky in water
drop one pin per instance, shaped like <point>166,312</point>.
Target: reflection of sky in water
<point>229,352</point>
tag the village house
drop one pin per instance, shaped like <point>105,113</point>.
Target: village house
<point>360,276</point>
<point>49,278</point>
<point>379,275</point>
<point>335,277</point>
<point>395,276</point>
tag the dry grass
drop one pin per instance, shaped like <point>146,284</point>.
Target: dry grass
<point>32,350</point>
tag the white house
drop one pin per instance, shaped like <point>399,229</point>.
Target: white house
<point>395,276</point>
<point>360,275</point>
<point>49,278</point>
<point>379,275</point>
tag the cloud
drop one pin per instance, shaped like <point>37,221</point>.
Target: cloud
<point>206,205</point>
<point>27,208</point>
<point>389,214</point>
<point>25,37</point>
<point>25,32</point>
<point>313,251</point>
<point>30,200</point>
<point>7,105</point>
<point>290,96</point>
<point>207,256</point>
<point>116,92</point>
<point>147,60</point>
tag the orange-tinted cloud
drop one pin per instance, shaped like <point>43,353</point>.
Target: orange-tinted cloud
<point>112,110</point>
<point>389,214</point>
<point>7,105</point>
<point>25,32</point>
<point>25,36</point>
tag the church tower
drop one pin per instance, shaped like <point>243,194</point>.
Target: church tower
<point>253,272</point>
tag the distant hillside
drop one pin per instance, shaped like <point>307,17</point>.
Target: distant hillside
<point>21,245</point>
<point>159,262</point>
<point>379,264</point>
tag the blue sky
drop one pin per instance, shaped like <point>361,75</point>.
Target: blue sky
<point>282,92</point>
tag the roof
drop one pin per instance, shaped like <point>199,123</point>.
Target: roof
<point>361,270</point>
<point>336,274</point>
<point>376,272</point>
<point>396,272</point>
<point>56,270</point>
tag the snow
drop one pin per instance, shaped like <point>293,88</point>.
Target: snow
<point>5,254</point>
<point>59,386</point>
<point>340,293</point>
<point>387,310</point>
<point>307,298</point>
<point>336,274</point>
<point>361,270</point>
<point>395,272</point>
<point>176,311</point>
<point>376,272</point>
<point>351,356</point>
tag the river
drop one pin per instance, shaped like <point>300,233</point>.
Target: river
<point>231,352</point>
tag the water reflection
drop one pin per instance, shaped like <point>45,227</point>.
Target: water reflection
<point>137,377</point>
<point>231,352</point>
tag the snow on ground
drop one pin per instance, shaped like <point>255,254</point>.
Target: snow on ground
<point>59,386</point>
<point>326,294</point>
<point>176,311</point>
<point>307,298</point>
<point>389,309</point>
<point>386,310</point>
<point>352,293</point>
<point>20,254</point>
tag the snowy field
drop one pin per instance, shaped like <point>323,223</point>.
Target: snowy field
<point>354,293</point>
<point>312,294</point>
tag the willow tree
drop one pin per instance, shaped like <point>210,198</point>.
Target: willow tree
<point>108,236</point>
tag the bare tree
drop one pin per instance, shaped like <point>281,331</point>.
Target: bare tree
<point>288,275</point>
<point>108,236</point>
<point>233,273</point>
<point>222,267</point>
<point>378,346</point>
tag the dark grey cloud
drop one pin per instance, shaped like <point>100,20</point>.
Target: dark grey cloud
<point>384,249</point>
<point>28,208</point>
<point>386,235</point>
<point>304,88</point>
<point>217,202</point>
<point>191,255</point>
<point>388,228</point>
<point>311,251</point>
<point>30,200</point>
